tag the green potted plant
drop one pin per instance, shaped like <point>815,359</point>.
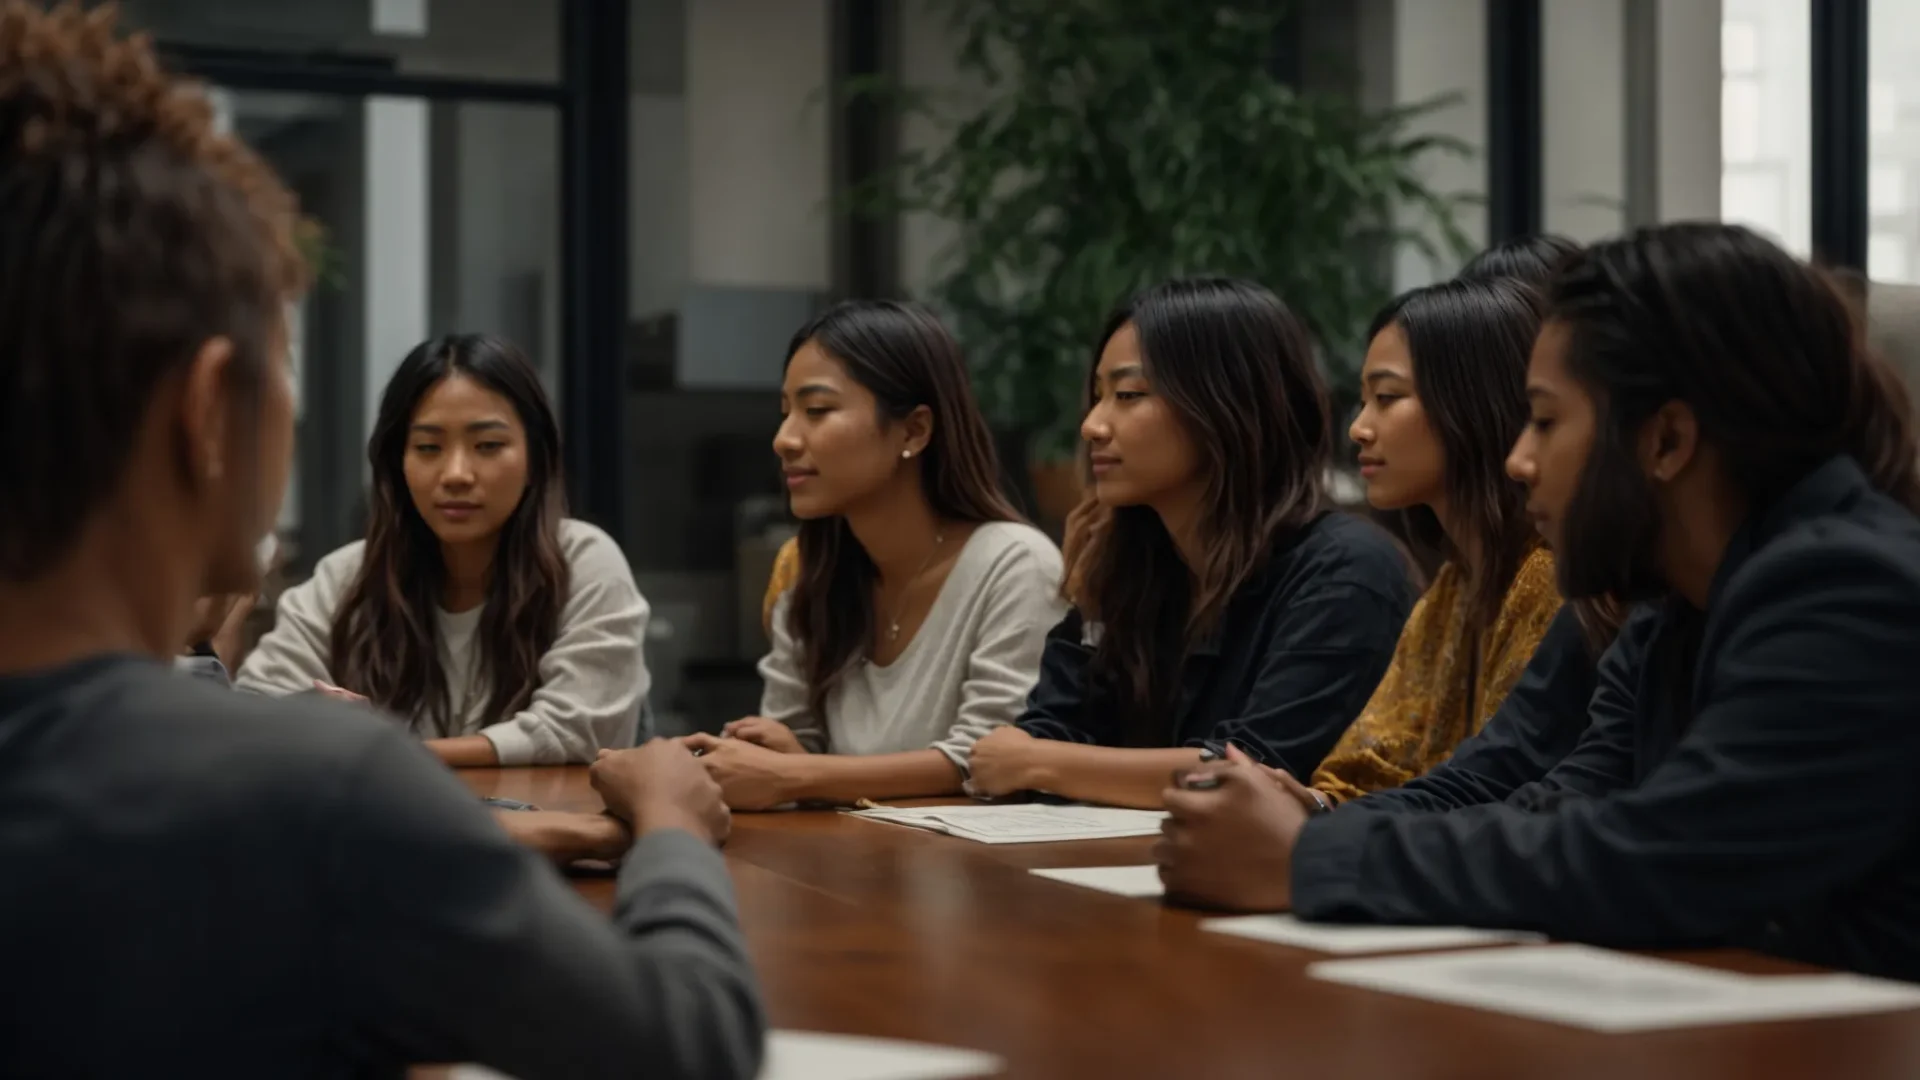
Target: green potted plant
<point>1113,143</point>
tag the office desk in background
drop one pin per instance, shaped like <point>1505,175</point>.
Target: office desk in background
<point>865,928</point>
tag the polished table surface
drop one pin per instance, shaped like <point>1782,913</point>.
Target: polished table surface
<point>867,928</point>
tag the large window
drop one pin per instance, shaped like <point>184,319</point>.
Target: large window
<point>1766,177</point>
<point>1893,142</point>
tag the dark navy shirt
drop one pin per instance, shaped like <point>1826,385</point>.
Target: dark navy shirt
<point>1537,726</point>
<point>1751,783</point>
<point>1297,654</point>
<point>195,882</point>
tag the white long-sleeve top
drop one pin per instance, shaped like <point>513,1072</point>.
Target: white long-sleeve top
<point>967,670</point>
<point>593,678</point>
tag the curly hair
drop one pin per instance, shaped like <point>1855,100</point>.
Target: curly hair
<point>131,233</point>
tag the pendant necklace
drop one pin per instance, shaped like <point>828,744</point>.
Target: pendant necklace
<point>893,624</point>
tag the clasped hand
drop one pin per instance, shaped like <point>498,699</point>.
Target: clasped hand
<point>1229,836</point>
<point>754,760</point>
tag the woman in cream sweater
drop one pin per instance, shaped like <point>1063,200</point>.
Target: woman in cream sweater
<point>912,620</point>
<point>501,631</point>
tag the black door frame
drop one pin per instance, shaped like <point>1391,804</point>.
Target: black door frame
<point>591,97</point>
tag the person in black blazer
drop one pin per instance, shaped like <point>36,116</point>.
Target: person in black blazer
<point>1708,436</point>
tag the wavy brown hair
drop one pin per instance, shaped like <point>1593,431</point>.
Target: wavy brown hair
<point>385,639</point>
<point>905,358</point>
<point>1470,342</point>
<point>1237,367</point>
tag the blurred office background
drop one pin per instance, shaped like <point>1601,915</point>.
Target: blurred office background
<point>647,194</point>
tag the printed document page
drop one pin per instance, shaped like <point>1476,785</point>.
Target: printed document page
<point>1608,991</point>
<point>1022,823</point>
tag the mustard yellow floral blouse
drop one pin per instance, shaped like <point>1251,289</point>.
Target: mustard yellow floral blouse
<point>1420,711</point>
<point>786,570</point>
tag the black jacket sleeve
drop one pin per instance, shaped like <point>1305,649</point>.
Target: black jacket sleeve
<point>454,944</point>
<point>1792,782</point>
<point>1057,707</point>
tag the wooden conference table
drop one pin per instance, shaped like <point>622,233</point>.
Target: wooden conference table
<point>866,928</point>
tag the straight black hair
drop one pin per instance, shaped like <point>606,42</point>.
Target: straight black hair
<point>1471,341</point>
<point>1527,260</point>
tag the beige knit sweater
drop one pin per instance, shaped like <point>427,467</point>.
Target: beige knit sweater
<point>592,680</point>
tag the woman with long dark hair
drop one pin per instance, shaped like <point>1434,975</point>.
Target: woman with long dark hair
<point>1443,398</point>
<point>502,631</point>
<point>1709,434</point>
<point>920,600</point>
<point>1217,601</point>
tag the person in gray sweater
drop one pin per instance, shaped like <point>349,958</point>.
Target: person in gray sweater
<point>204,883</point>
<point>501,631</point>
<point>912,621</point>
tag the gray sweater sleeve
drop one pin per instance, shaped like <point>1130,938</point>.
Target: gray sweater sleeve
<point>1021,603</point>
<point>299,648</point>
<point>455,944</point>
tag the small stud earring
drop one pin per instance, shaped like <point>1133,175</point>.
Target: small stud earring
<point>906,453</point>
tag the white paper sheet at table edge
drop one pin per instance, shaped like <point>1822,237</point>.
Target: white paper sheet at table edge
<point>813,1055</point>
<point>1355,938</point>
<point>1138,882</point>
<point>1741,998</point>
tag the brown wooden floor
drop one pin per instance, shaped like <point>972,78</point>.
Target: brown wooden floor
<point>874,929</point>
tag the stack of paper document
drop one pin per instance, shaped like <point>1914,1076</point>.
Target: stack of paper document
<point>1607,991</point>
<point>1358,937</point>
<point>1023,823</point>
<point>808,1055</point>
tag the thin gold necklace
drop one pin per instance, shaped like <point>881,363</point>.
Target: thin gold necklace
<point>906,590</point>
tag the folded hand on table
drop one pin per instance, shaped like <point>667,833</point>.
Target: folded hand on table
<point>751,777</point>
<point>661,785</point>
<point>761,731</point>
<point>1229,835</point>
<point>1002,762</point>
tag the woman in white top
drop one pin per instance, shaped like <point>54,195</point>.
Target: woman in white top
<point>501,631</point>
<point>922,601</point>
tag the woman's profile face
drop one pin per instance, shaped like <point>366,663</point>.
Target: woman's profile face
<point>466,460</point>
<point>833,449</point>
<point>1401,458</point>
<point>1140,450</point>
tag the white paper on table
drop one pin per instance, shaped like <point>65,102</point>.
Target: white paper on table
<point>1022,823</point>
<point>1135,881</point>
<point>1350,938</point>
<point>810,1055</point>
<point>1606,991</point>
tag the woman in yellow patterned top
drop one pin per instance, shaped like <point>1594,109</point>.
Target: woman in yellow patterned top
<point>1444,399</point>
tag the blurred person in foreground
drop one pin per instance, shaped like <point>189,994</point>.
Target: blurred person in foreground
<point>222,884</point>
